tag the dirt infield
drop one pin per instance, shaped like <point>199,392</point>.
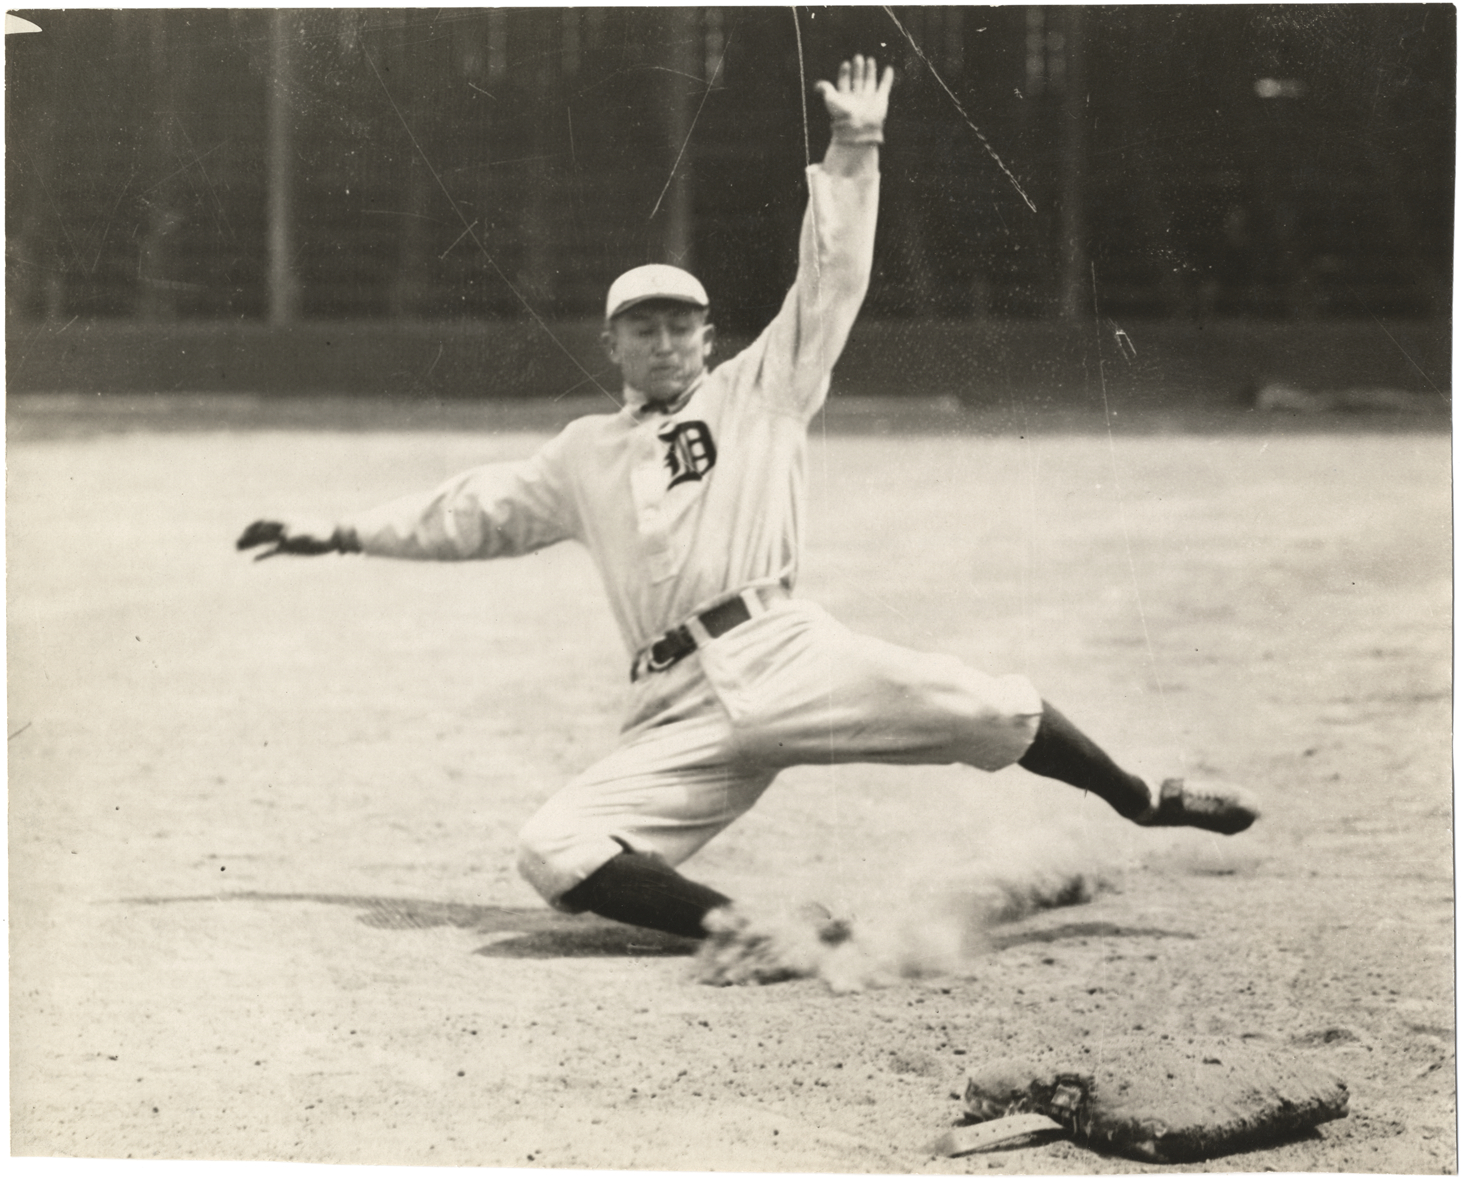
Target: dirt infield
<point>262,899</point>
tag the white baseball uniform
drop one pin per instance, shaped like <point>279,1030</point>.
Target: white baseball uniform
<point>684,511</point>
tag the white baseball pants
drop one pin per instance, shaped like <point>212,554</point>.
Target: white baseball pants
<point>791,686</point>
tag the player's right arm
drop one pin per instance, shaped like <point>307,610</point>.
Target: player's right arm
<point>502,509</point>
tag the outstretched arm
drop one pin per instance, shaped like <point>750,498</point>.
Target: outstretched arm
<point>501,509</point>
<point>858,106</point>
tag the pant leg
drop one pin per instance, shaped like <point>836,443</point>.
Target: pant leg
<point>667,790</point>
<point>799,687</point>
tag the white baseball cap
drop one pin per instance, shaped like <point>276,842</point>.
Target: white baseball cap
<point>655,281</point>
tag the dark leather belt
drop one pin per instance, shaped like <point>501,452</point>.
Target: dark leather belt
<point>676,644</point>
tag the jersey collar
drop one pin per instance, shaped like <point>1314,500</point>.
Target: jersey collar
<point>640,407</point>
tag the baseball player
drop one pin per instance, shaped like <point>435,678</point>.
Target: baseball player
<point>690,500</point>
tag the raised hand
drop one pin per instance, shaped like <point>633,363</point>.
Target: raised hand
<point>858,104</point>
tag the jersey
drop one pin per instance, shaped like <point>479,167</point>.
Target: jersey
<point>679,510</point>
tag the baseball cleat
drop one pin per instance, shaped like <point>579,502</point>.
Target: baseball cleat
<point>1207,807</point>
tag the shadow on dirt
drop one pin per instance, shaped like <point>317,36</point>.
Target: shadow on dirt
<point>543,933</point>
<point>1299,1137</point>
<point>516,932</point>
<point>1089,928</point>
<point>587,937</point>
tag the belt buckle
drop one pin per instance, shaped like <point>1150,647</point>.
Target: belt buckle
<point>654,664</point>
<point>685,639</point>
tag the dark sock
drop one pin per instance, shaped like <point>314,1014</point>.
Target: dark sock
<point>1062,751</point>
<point>645,891</point>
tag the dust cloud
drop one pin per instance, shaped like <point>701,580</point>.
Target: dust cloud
<point>926,926</point>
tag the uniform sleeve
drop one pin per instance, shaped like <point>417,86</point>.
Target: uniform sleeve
<point>790,364</point>
<point>503,509</point>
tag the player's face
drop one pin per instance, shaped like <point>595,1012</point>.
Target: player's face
<point>660,348</point>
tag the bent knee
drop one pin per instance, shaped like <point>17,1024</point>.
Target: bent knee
<point>554,858</point>
<point>1002,715</point>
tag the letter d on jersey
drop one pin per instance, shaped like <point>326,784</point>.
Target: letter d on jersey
<point>690,451</point>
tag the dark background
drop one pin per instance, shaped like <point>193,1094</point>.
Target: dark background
<point>403,200</point>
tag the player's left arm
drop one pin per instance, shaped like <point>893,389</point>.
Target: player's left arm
<point>792,360</point>
<point>858,107</point>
